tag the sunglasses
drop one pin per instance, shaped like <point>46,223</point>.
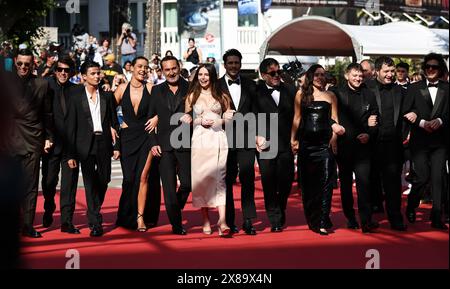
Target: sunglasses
<point>432,66</point>
<point>273,73</point>
<point>61,69</point>
<point>20,64</point>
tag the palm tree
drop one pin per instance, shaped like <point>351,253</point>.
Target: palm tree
<point>153,26</point>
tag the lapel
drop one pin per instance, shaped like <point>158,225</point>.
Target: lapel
<point>223,84</point>
<point>397,95</point>
<point>426,94</point>
<point>85,105</point>
<point>102,105</point>
<point>243,93</point>
<point>376,90</point>
<point>439,97</point>
<point>182,90</point>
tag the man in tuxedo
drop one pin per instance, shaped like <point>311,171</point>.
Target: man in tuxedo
<point>90,138</point>
<point>388,146</point>
<point>53,161</point>
<point>33,131</point>
<point>401,74</point>
<point>356,106</point>
<point>167,99</point>
<point>277,174</point>
<point>241,156</point>
<point>429,116</point>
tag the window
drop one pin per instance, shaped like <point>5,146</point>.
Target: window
<point>170,15</point>
<point>248,20</point>
<point>134,16</point>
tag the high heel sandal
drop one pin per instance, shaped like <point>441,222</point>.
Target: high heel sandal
<point>207,230</point>
<point>223,232</point>
<point>141,229</point>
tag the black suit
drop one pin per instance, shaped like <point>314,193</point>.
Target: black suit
<point>173,160</point>
<point>429,150</point>
<point>354,109</point>
<point>52,161</point>
<point>33,122</point>
<point>388,148</point>
<point>93,151</point>
<point>277,174</point>
<point>241,156</point>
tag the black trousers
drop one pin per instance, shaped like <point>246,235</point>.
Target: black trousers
<point>51,166</point>
<point>387,164</point>
<point>96,170</point>
<point>355,158</point>
<point>175,163</point>
<point>241,161</point>
<point>277,175</point>
<point>30,168</point>
<point>429,164</point>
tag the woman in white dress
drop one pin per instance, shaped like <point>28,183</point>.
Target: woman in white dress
<point>211,110</point>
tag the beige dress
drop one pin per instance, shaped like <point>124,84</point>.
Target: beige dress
<point>208,159</point>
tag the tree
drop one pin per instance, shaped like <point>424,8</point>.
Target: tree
<point>21,21</point>
<point>153,26</point>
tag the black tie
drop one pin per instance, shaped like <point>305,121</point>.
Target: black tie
<point>433,84</point>
<point>237,81</point>
<point>62,99</point>
<point>271,90</point>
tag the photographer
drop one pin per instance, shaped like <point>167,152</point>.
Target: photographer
<point>127,42</point>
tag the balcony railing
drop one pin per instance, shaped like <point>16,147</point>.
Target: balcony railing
<point>170,40</point>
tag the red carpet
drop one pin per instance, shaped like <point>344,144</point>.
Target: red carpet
<point>295,247</point>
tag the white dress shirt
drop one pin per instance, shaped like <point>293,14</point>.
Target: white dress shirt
<point>235,91</point>
<point>275,95</point>
<point>433,93</point>
<point>94,107</point>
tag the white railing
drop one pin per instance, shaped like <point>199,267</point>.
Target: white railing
<point>170,40</point>
<point>248,37</point>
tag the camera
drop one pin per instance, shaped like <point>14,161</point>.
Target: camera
<point>294,69</point>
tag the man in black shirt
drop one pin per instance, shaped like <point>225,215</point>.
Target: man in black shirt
<point>357,113</point>
<point>388,146</point>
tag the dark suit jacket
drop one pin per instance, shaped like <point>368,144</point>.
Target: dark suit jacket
<point>59,118</point>
<point>33,117</point>
<point>160,105</point>
<point>419,101</point>
<point>246,106</point>
<point>354,120</point>
<point>80,128</point>
<point>399,107</point>
<point>285,111</point>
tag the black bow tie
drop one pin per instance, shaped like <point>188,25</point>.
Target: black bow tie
<point>237,81</point>
<point>433,84</point>
<point>273,89</point>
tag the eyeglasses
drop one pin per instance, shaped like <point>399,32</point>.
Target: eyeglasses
<point>273,73</point>
<point>61,69</point>
<point>432,66</point>
<point>20,64</point>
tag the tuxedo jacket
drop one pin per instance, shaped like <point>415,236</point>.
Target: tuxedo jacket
<point>354,119</point>
<point>246,106</point>
<point>420,102</point>
<point>59,117</point>
<point>400,107</point>
<point>160,105</point>
<point>33,116</point>
<point>80,128</point>
<point>285,111</point>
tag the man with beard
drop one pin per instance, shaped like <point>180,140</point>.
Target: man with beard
<point>168,99</point>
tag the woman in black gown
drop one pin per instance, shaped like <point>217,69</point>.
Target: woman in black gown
<point>136,157</point>
<point>316,123</point>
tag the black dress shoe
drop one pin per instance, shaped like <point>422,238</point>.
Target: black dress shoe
<point>179,231</point>
<point>31,232</point>
<point>47,219</point>
<point>398,227</point>
<point>234,229</point>
<point>69,228</point>
<point>352,224</point>
<point>370,227</point>
<point>248,227</point>
<point>97,231</point>
<point>276,229</point>
<point>410,216</point>
<point>439,225</point>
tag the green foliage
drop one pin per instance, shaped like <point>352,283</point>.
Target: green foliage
<point>338,69</point>
<point>20,20</point>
